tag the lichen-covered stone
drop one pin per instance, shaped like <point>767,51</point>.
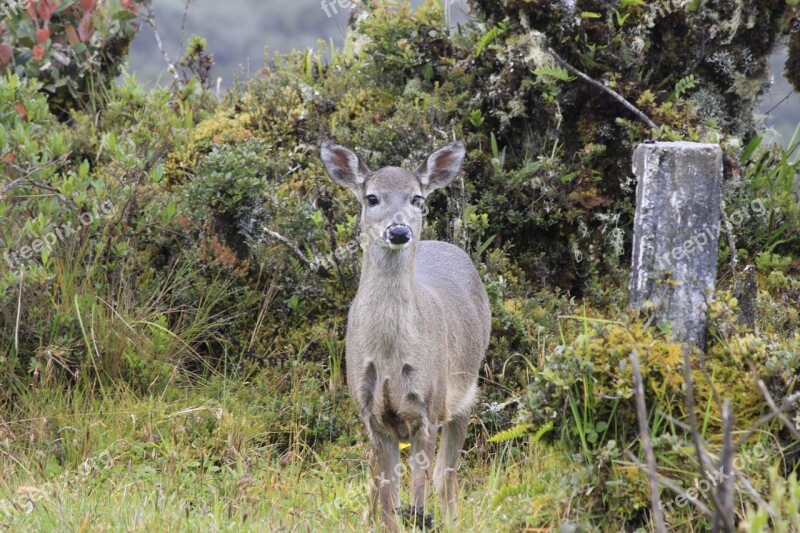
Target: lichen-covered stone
<point>676,230</point>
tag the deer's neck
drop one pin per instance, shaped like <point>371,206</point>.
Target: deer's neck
<point>388,298</point>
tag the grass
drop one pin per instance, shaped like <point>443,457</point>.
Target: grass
<point>207,458</point>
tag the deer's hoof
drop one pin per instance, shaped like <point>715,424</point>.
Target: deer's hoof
<point>416,517</point>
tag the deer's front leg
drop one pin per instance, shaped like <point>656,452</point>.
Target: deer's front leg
<point>384,486</point>
<point>422,449</point>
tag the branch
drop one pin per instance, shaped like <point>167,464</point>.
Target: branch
<point>150,19</point>
<point>725,489</point>
<point>644,432</point>
<point>667,483</point>
<point>787,404</point>
<point>755,495</point>
<point>613,94</point>
<point>731,241</point>
<point>727,520</point>
<point>295,250</point>
<point>778,413</point>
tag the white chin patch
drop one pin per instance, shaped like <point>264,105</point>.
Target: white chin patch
<point>398,246</point>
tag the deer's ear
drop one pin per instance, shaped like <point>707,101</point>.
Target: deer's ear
<point>442,167</point>
<point>343,166</point>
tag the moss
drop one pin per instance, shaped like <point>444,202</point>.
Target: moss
<point>221,128</point>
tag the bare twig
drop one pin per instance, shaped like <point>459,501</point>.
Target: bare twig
<point>771,109</point>
<point>19,312</point>
<point>725,488</point>
<point>294,249</point>
<point>289,172</point>
<point>754,494</point>
<point>702,458</point>
<point>778,413</point>
<point>667,483</point>
<point>11,185</point>
<point>182,44</point>
<point>150,19</point>
<point>787,404</point>
<point>731,241</point>
<point>644,432</point>
<point>613,94</point>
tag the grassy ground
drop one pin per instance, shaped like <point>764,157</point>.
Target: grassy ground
<point>205,458</point>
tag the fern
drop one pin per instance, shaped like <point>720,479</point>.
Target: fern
<point>683,85</point>
<point>490,36</point>
<point>516,432</point>
<point>557,73</point>
<point>510,491</point>
<point>539,434</point>
<point>521,430</point>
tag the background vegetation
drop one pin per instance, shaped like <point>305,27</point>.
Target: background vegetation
<point>182,356</point>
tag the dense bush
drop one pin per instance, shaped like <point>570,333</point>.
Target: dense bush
<point>75,48</point>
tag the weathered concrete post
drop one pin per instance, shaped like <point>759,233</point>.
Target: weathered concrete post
<point>676,233</point>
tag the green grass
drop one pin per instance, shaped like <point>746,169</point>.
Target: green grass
<point>207,459</point>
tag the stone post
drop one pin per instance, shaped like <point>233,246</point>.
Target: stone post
<point>676,233</point>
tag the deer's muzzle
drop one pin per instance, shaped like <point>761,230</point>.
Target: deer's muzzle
<point>399,235</point>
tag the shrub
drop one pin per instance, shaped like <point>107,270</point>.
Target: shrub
<point>74,48</point>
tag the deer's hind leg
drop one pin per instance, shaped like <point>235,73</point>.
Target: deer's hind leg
<point>444,475</point>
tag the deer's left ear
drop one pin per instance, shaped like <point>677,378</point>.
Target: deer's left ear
<point>441,168</point>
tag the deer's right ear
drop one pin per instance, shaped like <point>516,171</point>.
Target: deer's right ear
<point>343,166</point>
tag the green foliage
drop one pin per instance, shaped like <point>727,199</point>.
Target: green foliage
<point>196,63</point>
<point>684,85</point>
<point>770,173</point>
<point>554,72</point>
<point>228,181</point>
<point>584,388</point>
<point>490,36</point>
<point>782,511</point>
<point>74,48</point>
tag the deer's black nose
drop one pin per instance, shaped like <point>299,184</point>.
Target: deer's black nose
<point>399,234</point>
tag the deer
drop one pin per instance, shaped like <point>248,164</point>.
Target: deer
<point>417,331</point>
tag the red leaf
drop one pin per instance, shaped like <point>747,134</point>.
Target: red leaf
<point>88,5</point>
<point>85,28</point>
<point>38,52</point>
<point>6,53</point>
<point>42,35</point>
<point>45,8</point>
<point>72,35</point>
<point>22,111</point>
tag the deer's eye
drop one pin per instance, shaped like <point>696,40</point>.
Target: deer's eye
<point>418,201</point>
<point>372,200</point>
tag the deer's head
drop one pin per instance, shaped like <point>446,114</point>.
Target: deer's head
<point>392,198</point>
